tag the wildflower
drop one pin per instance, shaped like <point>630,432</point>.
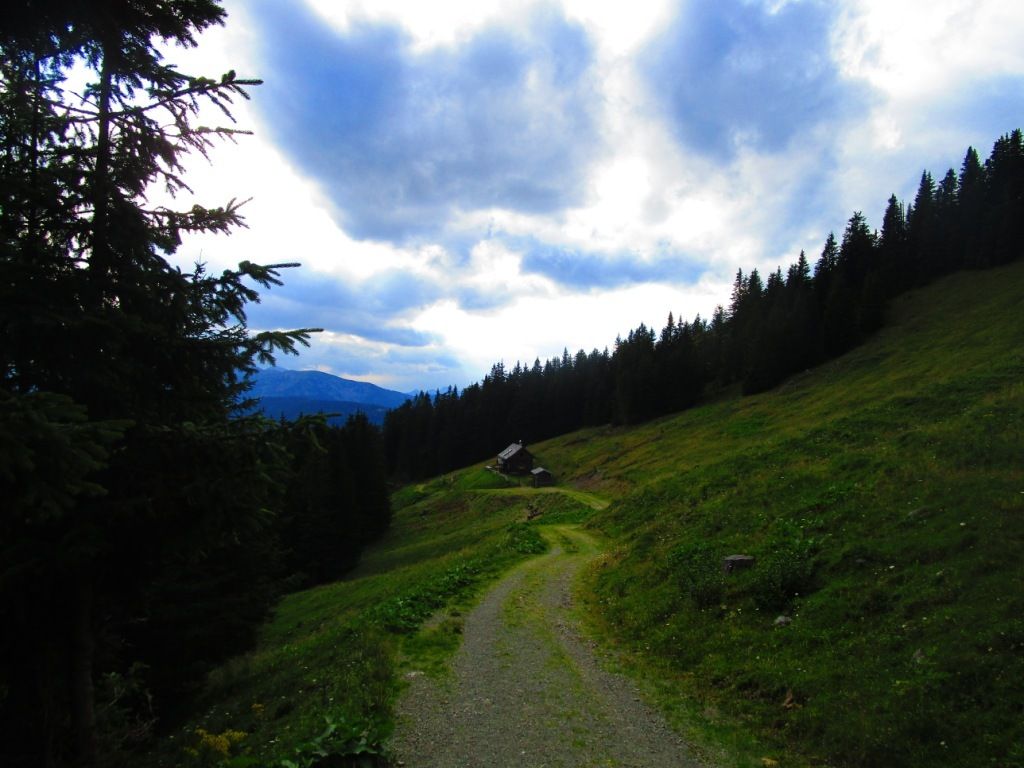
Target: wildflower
<point>217,743</point>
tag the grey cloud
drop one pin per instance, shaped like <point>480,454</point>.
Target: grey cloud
<point>308,299</point>
<point>400,140</point>
<point>735,72</point>
<point>581,270</point>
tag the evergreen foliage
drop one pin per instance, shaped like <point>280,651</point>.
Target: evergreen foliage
<point>337,499</point>
<point>138,537</point>
<point>772,328</point>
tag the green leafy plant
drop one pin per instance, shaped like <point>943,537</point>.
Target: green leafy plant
<point>341,744</point>
<point>403,614</point>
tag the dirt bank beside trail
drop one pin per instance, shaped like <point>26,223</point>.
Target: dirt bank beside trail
<point>527,691</point>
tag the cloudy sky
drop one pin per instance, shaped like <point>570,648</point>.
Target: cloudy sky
<point>472,181</point>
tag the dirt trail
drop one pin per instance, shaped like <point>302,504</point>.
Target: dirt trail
<point>526,690</point>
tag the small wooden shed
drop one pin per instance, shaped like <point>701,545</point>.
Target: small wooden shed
<point>542,477</point>
<point>515,460</point>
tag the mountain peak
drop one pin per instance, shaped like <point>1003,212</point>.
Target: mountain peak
<point>318,385</point>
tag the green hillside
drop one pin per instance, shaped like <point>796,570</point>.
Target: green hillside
<point>324,675</point>
<point>881,495</point>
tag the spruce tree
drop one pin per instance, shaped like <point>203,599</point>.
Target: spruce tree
<point>892,248</point>
<point>135,365</point>
<point>921,232</point>
<point>970,210</point>
<point>1004,207</point>
<point>948,236</point>
<point>825,267</point>
<point>800,346</point>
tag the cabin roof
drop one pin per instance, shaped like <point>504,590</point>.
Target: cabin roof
<point>511,451</point>
<point>539,471</point>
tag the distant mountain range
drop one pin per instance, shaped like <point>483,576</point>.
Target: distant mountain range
<point>282,392</point>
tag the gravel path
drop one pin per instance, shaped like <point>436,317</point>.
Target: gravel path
<point>527,691</point>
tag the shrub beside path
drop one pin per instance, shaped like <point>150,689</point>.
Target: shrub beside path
<point>526,690</point>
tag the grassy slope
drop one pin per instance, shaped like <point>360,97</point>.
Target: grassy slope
<point>884,488</point>
<point>883,495</point>
<point>334,654</point>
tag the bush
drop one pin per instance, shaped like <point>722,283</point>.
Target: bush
<point>785,572</point>
<point>523,539</point>
<point>698,570</point>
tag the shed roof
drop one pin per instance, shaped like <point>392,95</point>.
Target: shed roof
<point>540,471</point>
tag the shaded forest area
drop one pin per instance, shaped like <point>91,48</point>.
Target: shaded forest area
<point>146,524</point>
<point>774,326</point>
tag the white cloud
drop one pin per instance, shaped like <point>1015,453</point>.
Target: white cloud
<point>433,24</point>
<point>542,326</point>
<point>924,58</point>
<point>495,269</point>
<point>617,27</point>
<point>620,28</point>
<point>920,49</point>
<point>645,195</point>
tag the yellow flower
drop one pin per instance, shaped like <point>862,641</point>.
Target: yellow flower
<point>218,743</point>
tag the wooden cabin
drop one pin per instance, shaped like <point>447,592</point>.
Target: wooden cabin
<point>542,477</point>
<point>515,460</point>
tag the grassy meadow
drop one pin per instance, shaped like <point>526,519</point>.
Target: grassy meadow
<point>882,622</point>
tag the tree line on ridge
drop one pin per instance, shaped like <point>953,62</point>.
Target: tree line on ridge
<point>774,326</point>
